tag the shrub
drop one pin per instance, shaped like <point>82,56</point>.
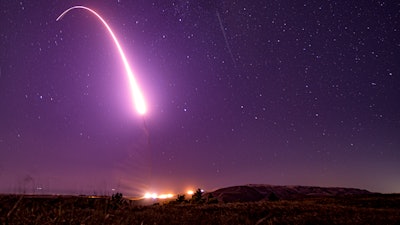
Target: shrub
<point>116,200</point>
<point>272,197</point>
<point>180,198</point>
<point>211,199</point>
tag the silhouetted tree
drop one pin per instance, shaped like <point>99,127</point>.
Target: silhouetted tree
<point>197,196</point>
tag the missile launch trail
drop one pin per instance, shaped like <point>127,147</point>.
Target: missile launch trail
<point>137,96</point>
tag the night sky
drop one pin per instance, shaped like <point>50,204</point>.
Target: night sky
<point>238,92</point>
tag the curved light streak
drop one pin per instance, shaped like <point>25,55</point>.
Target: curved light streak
<point>137,95</point>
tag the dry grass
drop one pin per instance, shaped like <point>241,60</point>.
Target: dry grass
<point>377,209</point>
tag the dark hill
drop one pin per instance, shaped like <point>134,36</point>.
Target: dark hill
<point>257,192</point>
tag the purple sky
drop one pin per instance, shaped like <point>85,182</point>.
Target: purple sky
<point>238,92</point>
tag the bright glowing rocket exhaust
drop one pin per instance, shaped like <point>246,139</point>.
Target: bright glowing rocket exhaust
<point>137,95</point>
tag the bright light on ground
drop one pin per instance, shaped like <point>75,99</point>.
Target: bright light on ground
<point>156,196</point>
<point>165,196</point>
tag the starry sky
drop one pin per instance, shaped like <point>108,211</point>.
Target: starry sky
<point>238,92</point>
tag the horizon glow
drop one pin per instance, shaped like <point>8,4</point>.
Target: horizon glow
<point>137,96</point>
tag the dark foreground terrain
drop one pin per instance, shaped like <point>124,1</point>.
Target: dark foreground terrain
<point>355,209</point>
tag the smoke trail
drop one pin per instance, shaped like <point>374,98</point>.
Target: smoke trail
<point>226,39</point>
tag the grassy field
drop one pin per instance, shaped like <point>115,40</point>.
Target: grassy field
<point>374,209</point>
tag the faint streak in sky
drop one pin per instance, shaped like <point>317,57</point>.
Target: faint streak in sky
<point>226,39</point>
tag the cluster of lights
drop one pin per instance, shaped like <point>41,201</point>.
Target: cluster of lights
<point>149,195</point>
<point>156,196</point>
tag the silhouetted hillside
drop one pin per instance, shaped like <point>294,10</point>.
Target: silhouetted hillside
<point>257,192</point>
